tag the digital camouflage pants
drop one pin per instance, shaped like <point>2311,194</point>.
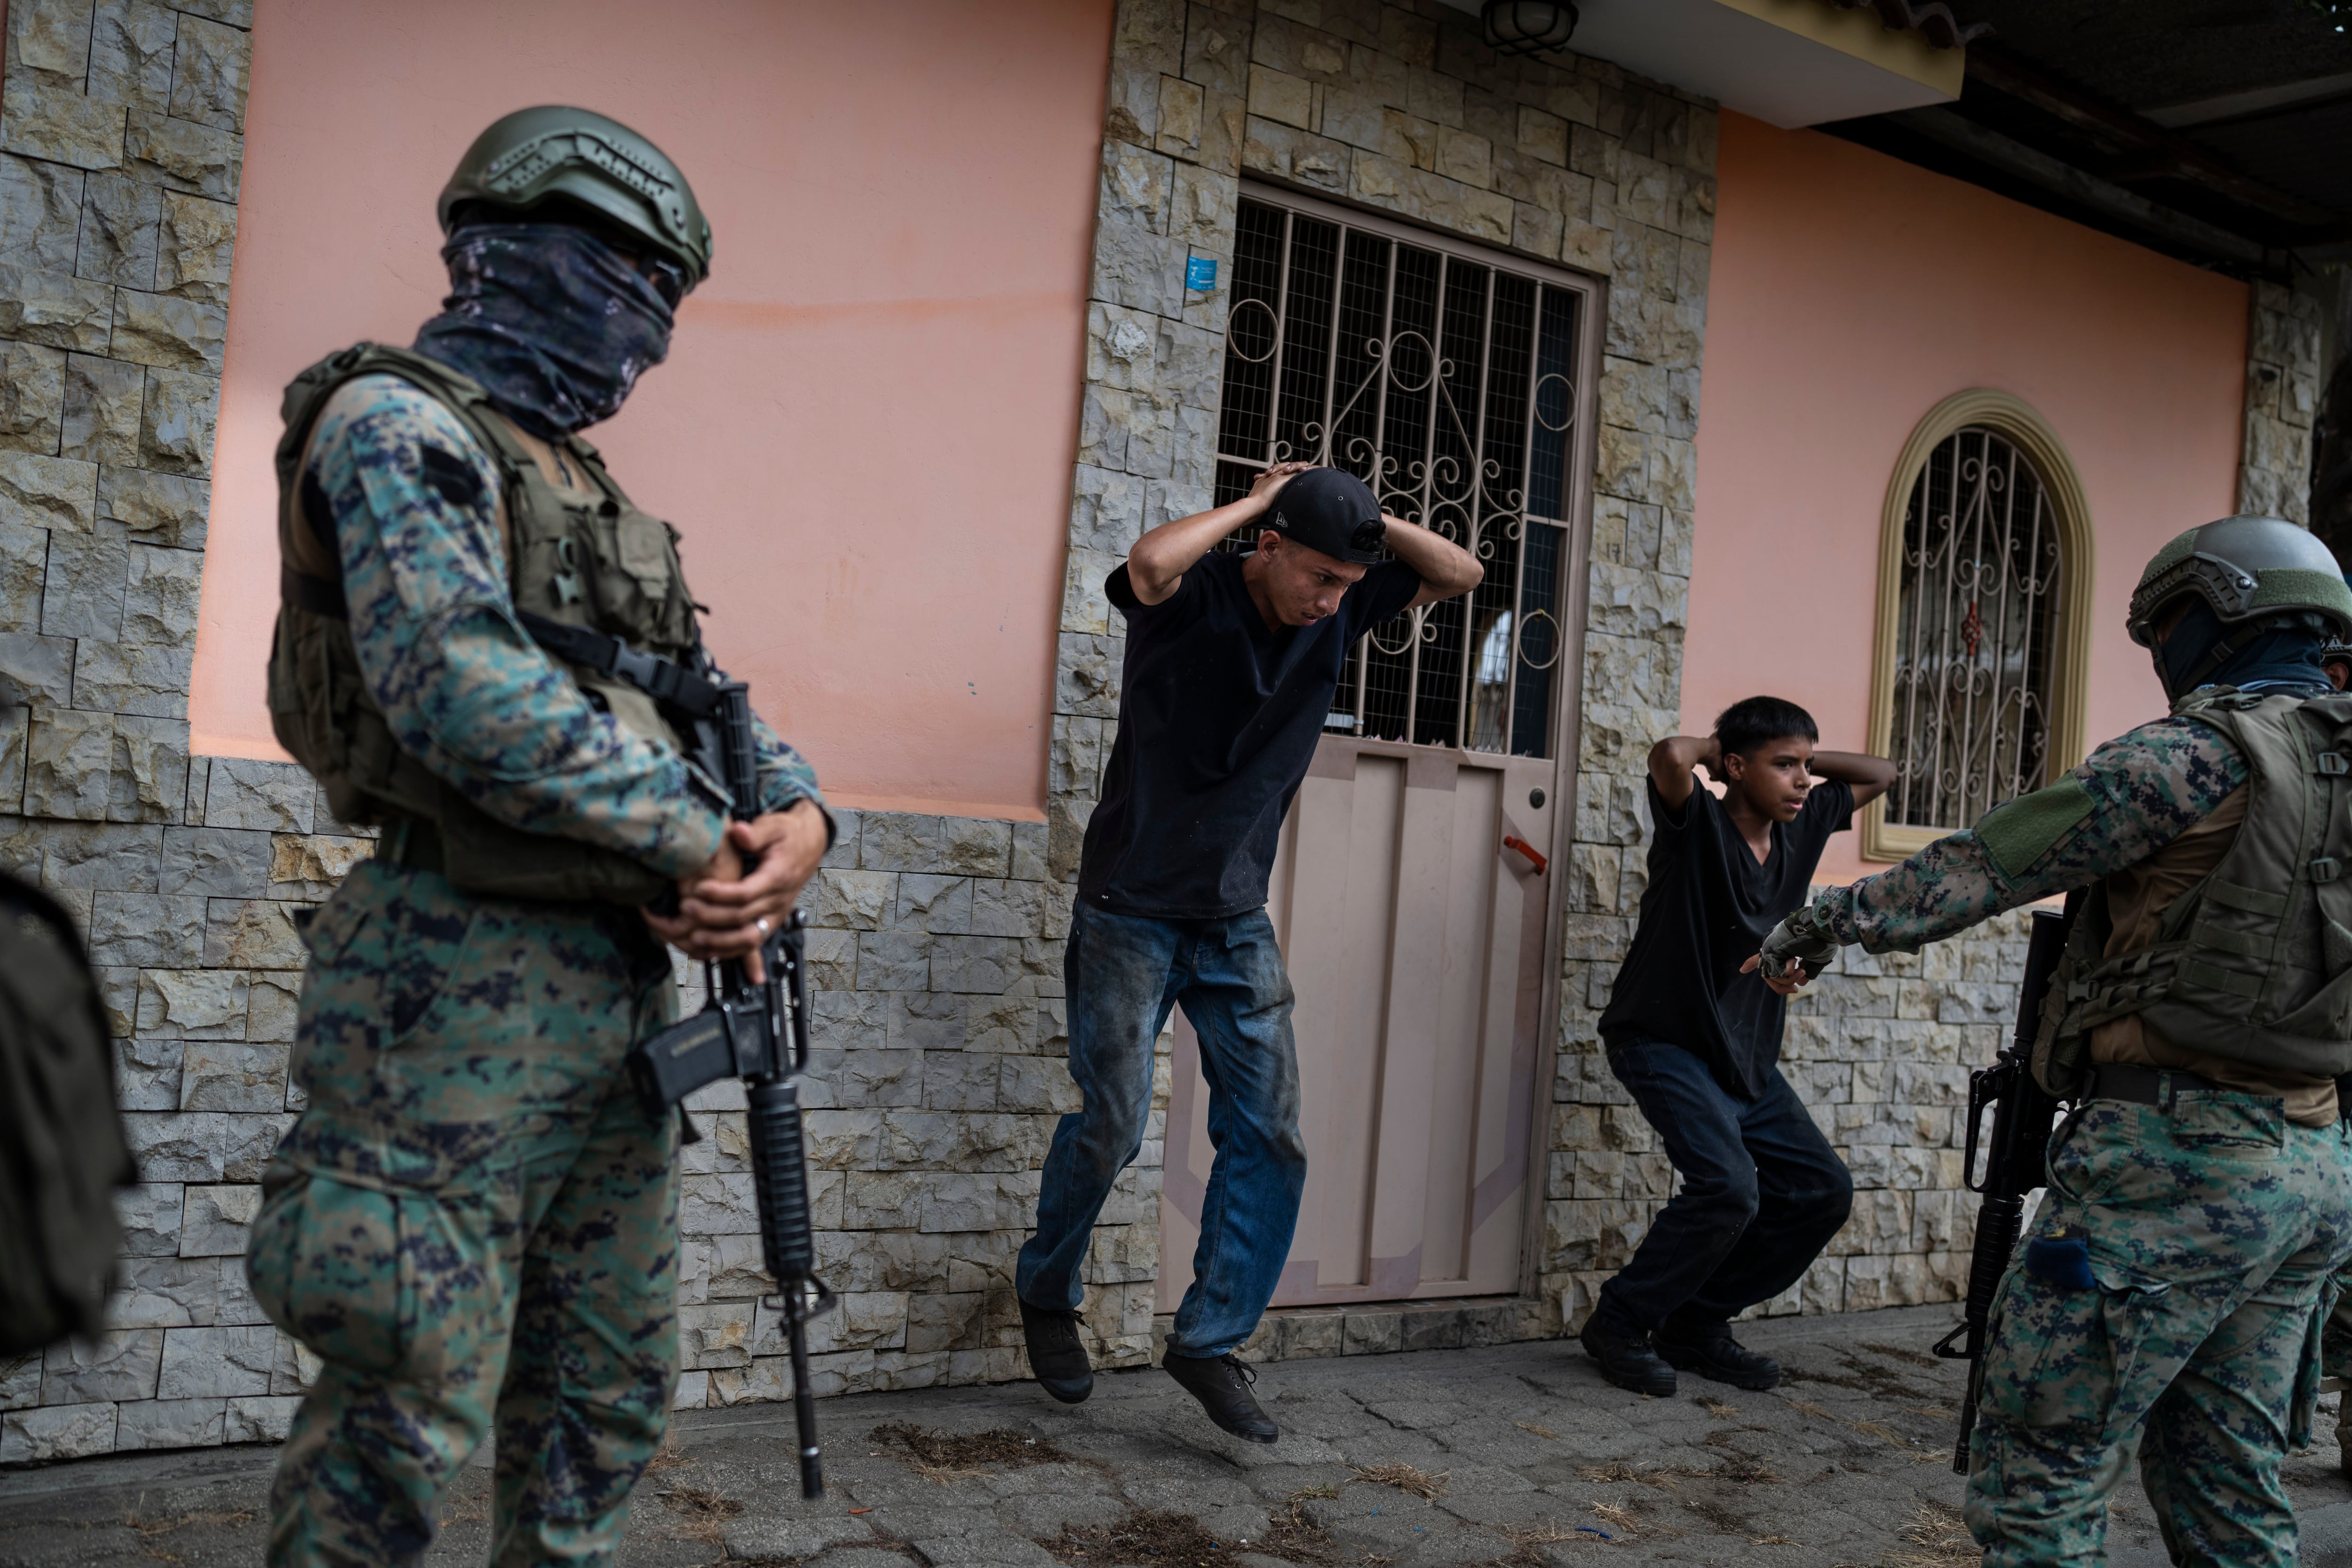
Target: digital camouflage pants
<point>2167,1300</point>
<point>473,1223</point>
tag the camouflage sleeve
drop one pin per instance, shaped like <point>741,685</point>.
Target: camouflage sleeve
<point>466,692</point>
<point>785,777</point>
<point>2133,796</point>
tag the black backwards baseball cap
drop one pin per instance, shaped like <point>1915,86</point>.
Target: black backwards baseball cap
<point>1331,510</point>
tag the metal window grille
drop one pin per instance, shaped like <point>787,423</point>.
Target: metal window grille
<point>1445,382</point>
<point>1983,572</point>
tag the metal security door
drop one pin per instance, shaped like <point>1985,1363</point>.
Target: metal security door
<point>1414,894</point>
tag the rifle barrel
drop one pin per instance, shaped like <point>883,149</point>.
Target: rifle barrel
<point>2015,1162</point>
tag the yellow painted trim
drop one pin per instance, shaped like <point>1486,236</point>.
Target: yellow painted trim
<point>2070,679</point>
<point>1860,34</point>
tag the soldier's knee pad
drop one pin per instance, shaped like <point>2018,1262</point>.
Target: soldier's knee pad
<point>394,1283</point>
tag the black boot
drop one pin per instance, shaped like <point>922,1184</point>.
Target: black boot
<point>1626,1360</point>
<point>1708,1350</point>
<point>1057,1357</point>
<point>1222,1384</point>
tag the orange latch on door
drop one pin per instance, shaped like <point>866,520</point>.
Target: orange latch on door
<point>1513,841</point>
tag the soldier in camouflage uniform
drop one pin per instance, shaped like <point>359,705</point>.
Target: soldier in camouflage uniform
<point>2335,1339</point>
<point>485,648</point>
<point>2170,1293</point>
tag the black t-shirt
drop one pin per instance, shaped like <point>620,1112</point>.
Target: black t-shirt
<point>1708,906</point>
<point>1218,717</point>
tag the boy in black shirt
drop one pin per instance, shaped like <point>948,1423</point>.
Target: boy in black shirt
<point>1231,661</point>
<point>1697,1043</point>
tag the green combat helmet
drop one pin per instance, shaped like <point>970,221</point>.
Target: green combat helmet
<point>533,154</point>
<point>2259,574</point>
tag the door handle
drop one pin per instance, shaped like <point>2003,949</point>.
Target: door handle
<point>1513,841</point>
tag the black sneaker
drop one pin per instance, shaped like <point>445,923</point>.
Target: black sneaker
<point>1222,1384</point>
<point>1057,1356</point>
<point>1627,1359</point>
<point>1718,1357</point>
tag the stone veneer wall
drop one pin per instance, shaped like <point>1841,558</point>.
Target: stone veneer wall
<point>119,156</point>
<point>2283,388</point>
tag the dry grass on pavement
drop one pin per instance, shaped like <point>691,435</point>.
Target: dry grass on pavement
<point>1405,1478</point>
<point>704,1512</point>
<point>945,1457</point>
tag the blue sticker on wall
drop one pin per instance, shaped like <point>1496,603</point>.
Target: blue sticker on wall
<point>1201,273</point>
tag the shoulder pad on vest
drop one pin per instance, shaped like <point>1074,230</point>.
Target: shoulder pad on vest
<point>2334,708</point>
<point>309,392</point>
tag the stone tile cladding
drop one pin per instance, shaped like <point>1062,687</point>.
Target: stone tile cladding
<point>120,147</point>
<point>2283,387</point>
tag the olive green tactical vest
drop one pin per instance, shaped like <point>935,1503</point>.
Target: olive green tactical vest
<point>2254,962</point>
<point>603,566</point>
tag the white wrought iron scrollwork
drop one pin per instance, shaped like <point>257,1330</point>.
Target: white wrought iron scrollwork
<point>1409,409</point>
<point>1982,571</point>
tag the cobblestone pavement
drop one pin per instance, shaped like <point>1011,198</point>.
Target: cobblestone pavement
<point>1518,1455</point>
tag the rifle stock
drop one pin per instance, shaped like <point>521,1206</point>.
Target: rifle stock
<point>759,1033</point>
<point>2014,1158</point>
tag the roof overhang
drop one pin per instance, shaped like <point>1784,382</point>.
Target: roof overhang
<point>1785,62</point>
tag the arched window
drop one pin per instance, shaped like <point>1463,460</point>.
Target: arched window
<point>1983,611</point>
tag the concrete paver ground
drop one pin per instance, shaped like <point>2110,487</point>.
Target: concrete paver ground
<point>1516,1454</point>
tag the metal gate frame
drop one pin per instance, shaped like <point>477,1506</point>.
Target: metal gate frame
<point>1584,465</point>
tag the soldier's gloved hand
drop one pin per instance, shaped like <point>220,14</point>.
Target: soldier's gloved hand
<point>1801,942</point>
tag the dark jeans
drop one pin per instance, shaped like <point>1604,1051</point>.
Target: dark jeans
<point>1762,1194</point>
<point>1124,975</point>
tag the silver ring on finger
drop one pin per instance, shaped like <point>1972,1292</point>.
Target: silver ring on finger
<point>762,924</point>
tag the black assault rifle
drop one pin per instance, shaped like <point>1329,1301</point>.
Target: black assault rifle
<point>761,1034</point>
<point>2022,1114</point>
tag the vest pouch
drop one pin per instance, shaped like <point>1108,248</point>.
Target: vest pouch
<point>636,585</point>
<point>2060,1059</point>
<point>320,712</point>
<point>482,855</point>
<point>2061,1050</point>
<point>2327,1015</point>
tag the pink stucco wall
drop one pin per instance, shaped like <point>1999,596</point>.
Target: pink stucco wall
<point>1849,295</point>
<point>868,419</point>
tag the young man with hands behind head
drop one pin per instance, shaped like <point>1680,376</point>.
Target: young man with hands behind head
<point>1696,1042</point>
<point>1232,663</point>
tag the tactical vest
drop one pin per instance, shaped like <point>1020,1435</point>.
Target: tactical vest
<point>597,582</point>
<point>2254,962</point>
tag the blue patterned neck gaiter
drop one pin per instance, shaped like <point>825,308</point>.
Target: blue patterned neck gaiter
<point>2283,659</point>
<point>556,324</point>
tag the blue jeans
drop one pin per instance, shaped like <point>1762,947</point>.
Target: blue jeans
<point>1762,1194</point>
<point>1124,975</point>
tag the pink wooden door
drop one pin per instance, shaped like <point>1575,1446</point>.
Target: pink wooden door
<point>1416,941</point>
<point>1459,384</point>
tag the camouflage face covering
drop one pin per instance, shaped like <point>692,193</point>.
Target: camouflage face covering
<point>2285,659</point>
<point>555,323</point>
